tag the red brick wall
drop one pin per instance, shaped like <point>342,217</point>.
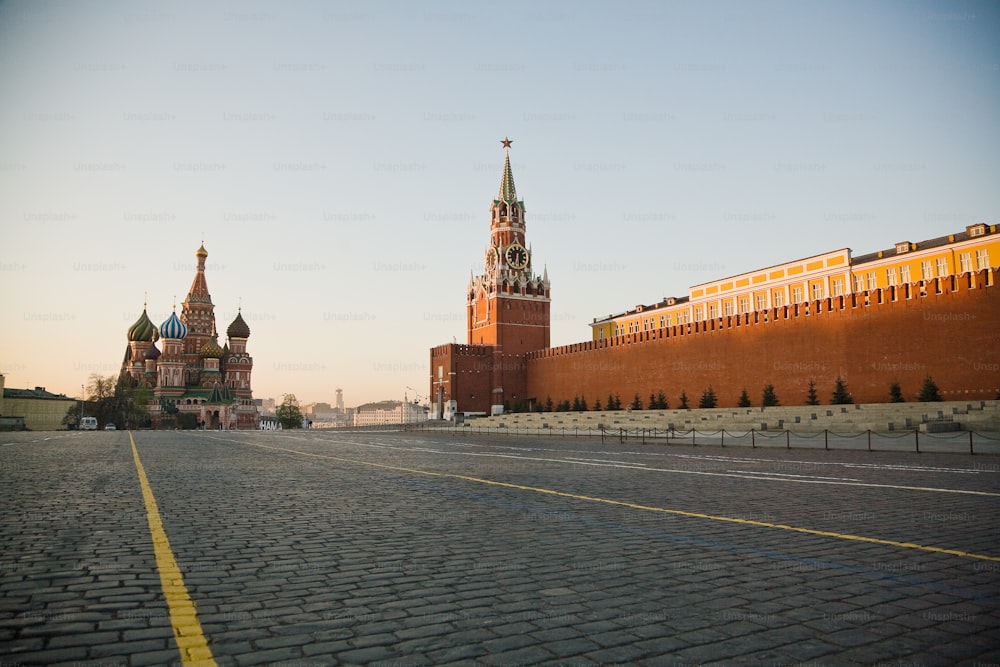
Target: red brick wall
<point>468,370</point>
<point>952,336</point>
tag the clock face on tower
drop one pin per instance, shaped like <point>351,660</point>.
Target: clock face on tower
<point>517,256</point>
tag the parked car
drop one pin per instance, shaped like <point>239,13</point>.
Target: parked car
<point>110,427</point>
<point>88,424</point>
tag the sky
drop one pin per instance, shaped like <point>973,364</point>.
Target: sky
<point>338,160</point>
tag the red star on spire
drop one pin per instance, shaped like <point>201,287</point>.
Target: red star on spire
<point>506,142</point>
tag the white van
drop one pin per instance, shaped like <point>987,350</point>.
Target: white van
<point>88,424</point>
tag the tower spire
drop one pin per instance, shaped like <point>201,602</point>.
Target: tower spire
<point>507,191</point>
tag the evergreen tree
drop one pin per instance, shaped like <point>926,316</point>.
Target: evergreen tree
<point>618,402</point>
<point>583,403</point>
<point>611,403</point>
<point>744,401</point>
<point>576,404</point>
<point>929,391</point>
<point>840,394</point>
<point>769,399</point>
<point>684,400</point>
<point>896,393</point>
<point>708,399</point>
<point>636,403</point>
<point>811,398</point>
<point>661,399</point>
<point>597,405</point>
<point>653,405</point>
<point>548,404</point>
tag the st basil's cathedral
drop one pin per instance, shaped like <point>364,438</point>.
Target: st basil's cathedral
<point>192,374</point>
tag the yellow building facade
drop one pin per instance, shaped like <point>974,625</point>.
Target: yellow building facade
<point>40,410</point>
<point>830,274</point>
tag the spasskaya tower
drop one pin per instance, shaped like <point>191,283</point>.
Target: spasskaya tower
<point>508,305</point>
<point>508,315</point>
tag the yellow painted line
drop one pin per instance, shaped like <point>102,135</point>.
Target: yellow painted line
<point>648,508</point>
<point>187,630</point>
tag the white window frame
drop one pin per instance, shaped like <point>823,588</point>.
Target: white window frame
<point>965,262</point>
<point>982,259</point>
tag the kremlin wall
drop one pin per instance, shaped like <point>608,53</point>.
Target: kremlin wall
<point>918,310</point>
<point>947,328</point>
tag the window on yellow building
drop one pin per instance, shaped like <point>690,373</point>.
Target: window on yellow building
<point>926,270</point>
<point>942,267</point>
<point>817,291</point>
<point>904,274</point>
<point>744,304</point>
<point>982,259</point>
<point>859,283</point>
<point>890,276</point>
<point>797,295</point>
<point>761,301</point>
<point>965,262</point>
<point>713,311</point>
<point>872,280</point>
<point>838,287</point>
<point>698,314</point>
<point>727,308</point>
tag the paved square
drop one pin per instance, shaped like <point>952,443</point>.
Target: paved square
<point>315,548</point>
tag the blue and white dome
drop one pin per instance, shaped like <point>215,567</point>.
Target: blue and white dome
<point>173,327</point>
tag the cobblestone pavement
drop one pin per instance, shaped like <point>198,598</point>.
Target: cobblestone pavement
<point>316,548</point>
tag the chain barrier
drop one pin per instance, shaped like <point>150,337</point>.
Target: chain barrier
<point>695,438</point>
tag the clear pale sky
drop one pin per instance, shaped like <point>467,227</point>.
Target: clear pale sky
<point>339,161</point>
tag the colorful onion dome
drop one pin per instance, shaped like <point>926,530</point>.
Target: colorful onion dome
<point>239,328</point>
<point>173,327</point>
<point>143,329</point>
<point>211,349</point>
<point>153,353</point>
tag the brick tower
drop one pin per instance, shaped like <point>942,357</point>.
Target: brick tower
<point>508,305</point>
<point>507,308</point>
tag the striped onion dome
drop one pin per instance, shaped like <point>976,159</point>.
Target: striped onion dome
<point>211,349</point>
<point>143,329</point>
<point>173,327</point>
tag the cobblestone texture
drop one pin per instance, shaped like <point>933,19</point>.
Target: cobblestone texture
<point>298,559</point>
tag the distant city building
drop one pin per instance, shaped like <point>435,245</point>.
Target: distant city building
<point>267,406</point>
<point>194,380</point>
<point>389,412</point>
<point>32,409</point>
